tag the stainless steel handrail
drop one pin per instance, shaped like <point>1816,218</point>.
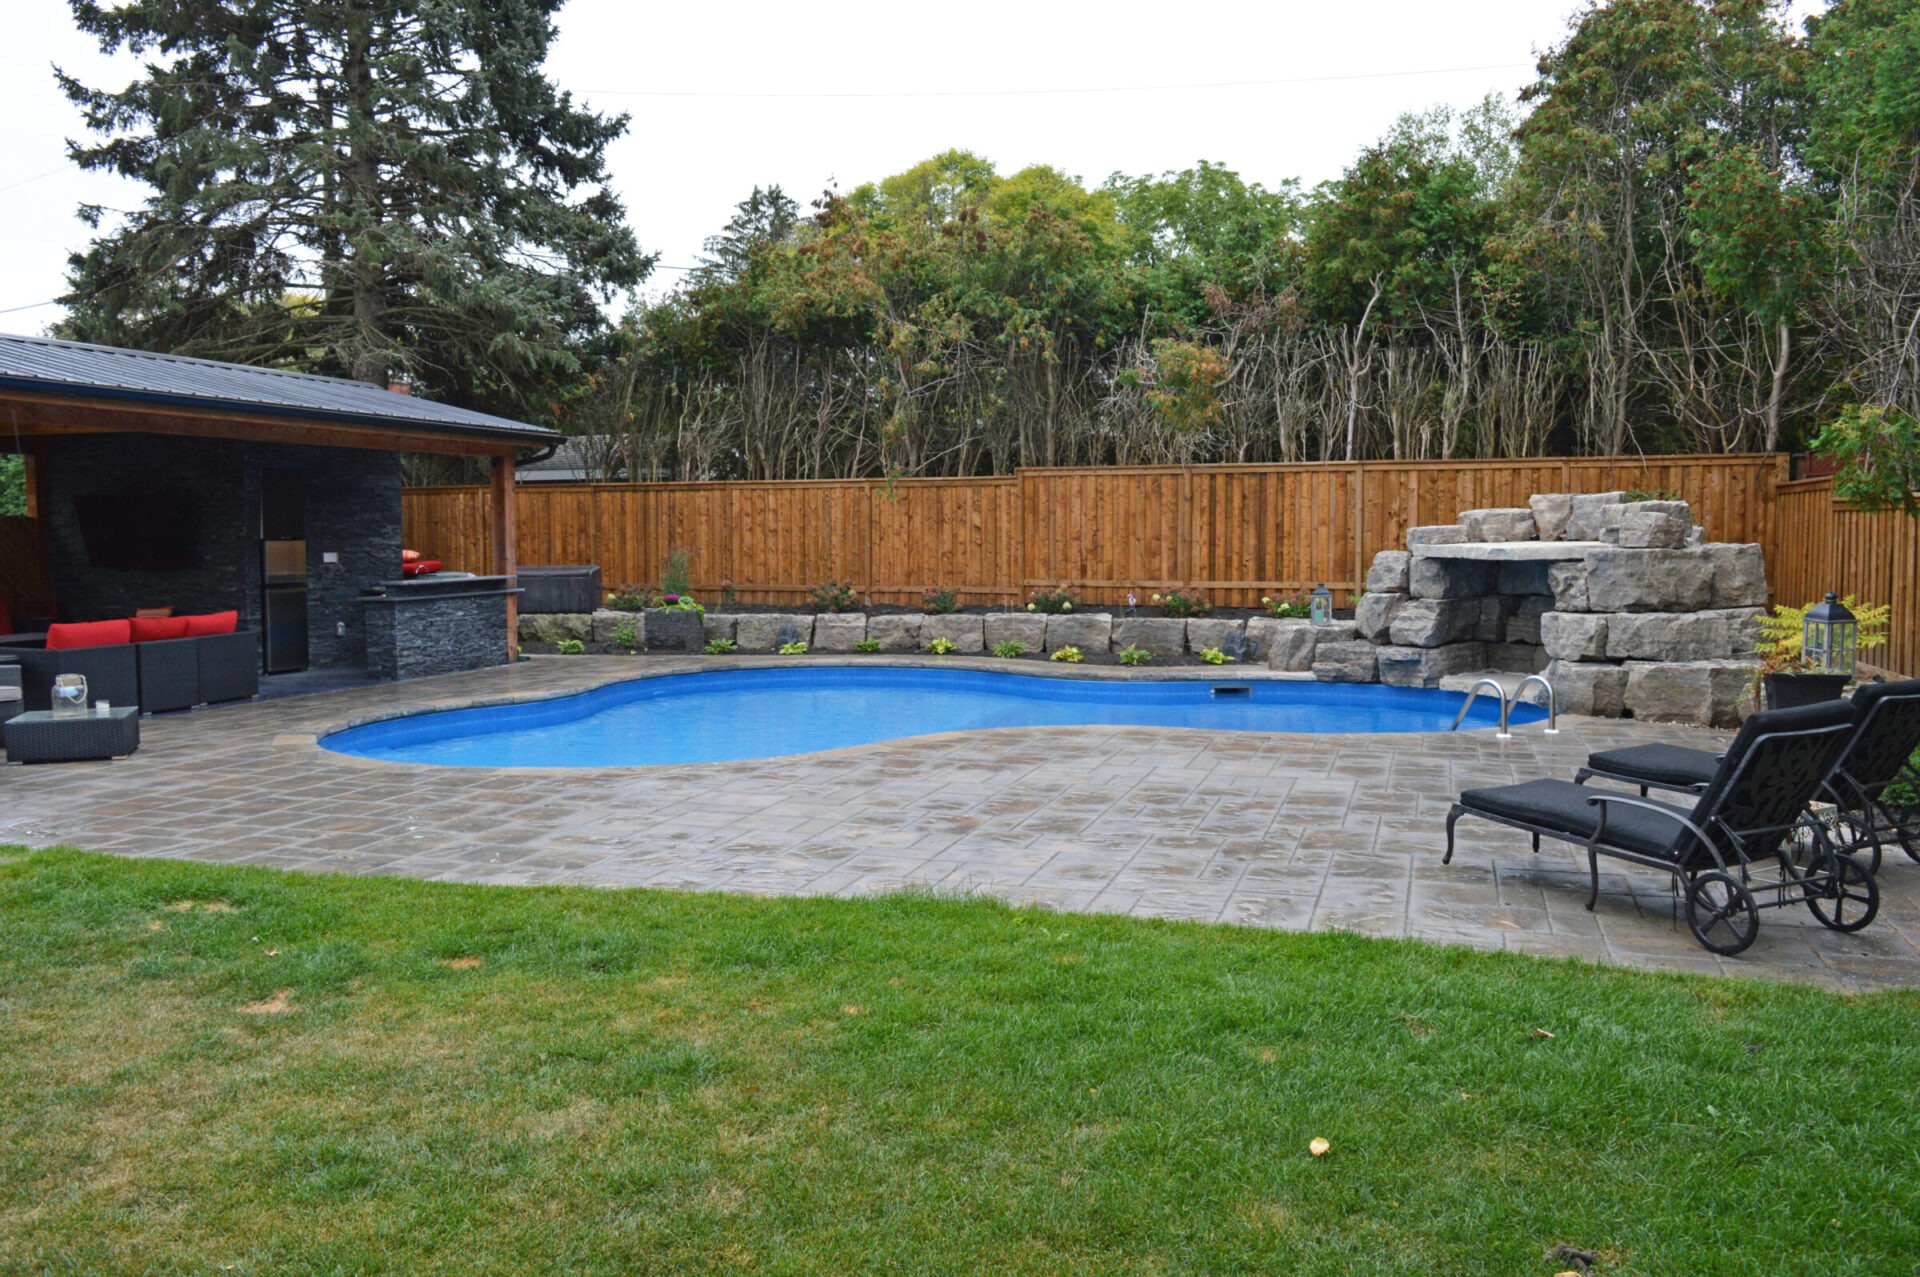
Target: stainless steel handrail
<point>1473,692</point>
<point>1553,718</point>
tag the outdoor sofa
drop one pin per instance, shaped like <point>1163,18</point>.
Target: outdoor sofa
<point>1746,843</point>
<point>158,664</point>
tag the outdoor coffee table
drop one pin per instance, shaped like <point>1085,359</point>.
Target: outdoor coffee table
<point>39,737</point>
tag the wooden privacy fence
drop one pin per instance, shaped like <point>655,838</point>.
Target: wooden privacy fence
<point>1822,545</point>
<point>1233,533</point>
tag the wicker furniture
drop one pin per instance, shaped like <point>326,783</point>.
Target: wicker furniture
<point>12,699</point>
<point>161,674</point>
<point>37,737</point>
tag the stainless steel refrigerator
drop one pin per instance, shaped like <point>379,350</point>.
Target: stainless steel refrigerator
<point>284,604</point>
<point>283,569</point>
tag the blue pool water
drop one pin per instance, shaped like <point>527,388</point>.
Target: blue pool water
<point>713,717</point>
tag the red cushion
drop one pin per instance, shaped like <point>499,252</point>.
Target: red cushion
<point>89,634</point>
<point>211,623</point>
<point>150,629</point>
<point>409,556</point>
<point>422,568</point>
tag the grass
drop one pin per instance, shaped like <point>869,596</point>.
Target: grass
<point>208,1069</point>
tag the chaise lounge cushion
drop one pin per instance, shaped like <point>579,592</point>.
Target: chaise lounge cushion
<point>1563,806</point>
<point>158,629</point>
<point>61,638</point>
<point>205,623</point>
<point>1669,765</point>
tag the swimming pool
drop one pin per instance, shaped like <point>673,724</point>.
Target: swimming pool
<point>766,713</point>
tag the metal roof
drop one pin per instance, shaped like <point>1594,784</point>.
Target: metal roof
<point>46,366</point>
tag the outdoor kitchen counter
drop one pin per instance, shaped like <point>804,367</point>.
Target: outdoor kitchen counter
<point>438,624</point>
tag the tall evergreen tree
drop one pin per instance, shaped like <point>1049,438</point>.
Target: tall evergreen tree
<point>358,187</point>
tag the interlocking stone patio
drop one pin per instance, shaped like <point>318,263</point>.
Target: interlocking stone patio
<point>1289,831</point>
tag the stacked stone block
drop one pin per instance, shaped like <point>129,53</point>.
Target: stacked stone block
<point>1631,613</point>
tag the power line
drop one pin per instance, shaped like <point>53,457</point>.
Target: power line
<point>1012,93</point>
<point>35,306</point>
<point>37,177</point>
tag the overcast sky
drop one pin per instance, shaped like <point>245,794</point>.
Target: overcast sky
<point>803,95</point>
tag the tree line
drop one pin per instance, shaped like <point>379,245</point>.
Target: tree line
<point>1696,229</point>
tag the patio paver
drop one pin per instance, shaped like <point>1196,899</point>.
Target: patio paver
<point>1285,831</point>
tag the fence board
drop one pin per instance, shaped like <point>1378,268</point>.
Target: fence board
<point>1232,533</point>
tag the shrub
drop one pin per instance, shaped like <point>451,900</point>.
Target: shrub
<point>942,646</point>
<point>1214,656</point>
<point>793,649</point>
<point>572,647</point>
<point>728,597</point>
<point>1878,451</point>
<point>680,603</point>
<point>1131,655</point>
<point>627,634</point>
<point>940,602</point>
<point>633,598</point>
<point>1069,654</point>
<point>721,647</point>
<point>676,577</point>
<point>1010,649</point>
<point>1174,603</point>
<point>1052,601</point>
<point>1296,606</point>
<point>834,596</point>
<point>1783,634</point>
<point>867,645</point>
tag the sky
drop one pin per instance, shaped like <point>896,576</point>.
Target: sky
<point>724,98</point>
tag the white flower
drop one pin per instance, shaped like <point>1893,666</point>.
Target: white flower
<point>1066,607</point>
<point>1032,607</point>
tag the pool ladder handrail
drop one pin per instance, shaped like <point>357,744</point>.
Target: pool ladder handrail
<point>1472,694</point>
<point>1507,703</point>
<point>1553,715</point>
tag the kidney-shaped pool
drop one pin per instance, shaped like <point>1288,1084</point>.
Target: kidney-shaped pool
<point>766,713</point>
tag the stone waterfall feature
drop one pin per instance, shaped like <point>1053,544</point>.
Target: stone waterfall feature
<point>1622,604</point>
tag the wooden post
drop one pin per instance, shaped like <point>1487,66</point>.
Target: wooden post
<point>505,524</point>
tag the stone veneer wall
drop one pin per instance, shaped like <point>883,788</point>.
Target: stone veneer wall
<point>415,637</point>
<point>1639,617</point>
<point>353,510</point>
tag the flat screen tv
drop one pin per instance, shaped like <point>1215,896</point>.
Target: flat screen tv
<point>139,532</point>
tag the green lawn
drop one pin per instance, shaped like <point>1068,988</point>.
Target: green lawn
<point>654,1082</point>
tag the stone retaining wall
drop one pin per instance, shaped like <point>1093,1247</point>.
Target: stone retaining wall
<point>1295,646</point>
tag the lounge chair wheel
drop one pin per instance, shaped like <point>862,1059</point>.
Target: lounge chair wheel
<point>1721,913</point>
<point>1904,814</point>
<point>1854,835</point>
<point>1850,898</point>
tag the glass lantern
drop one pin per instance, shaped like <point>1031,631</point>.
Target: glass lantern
<point>1831,637</point>
<point>1320,609</point>
<point>69,698</point>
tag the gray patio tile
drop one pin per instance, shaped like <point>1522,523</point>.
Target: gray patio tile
<point>1258,830</point>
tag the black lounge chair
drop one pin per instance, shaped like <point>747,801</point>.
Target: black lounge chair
<point>1875,787</point>
<point>1750,817</point>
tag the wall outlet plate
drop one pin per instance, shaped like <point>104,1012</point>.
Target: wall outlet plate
<point>340,628</point>
<point>330,556</point>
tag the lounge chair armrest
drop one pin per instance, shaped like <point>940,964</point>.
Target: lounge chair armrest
<point>1660,809</point>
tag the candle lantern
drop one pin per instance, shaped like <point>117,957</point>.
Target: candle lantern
<point>1830,639</point>
<point>1320,610</point>
<point>69,696</point>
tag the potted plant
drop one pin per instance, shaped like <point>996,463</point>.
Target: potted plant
<point>1787,676</point>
